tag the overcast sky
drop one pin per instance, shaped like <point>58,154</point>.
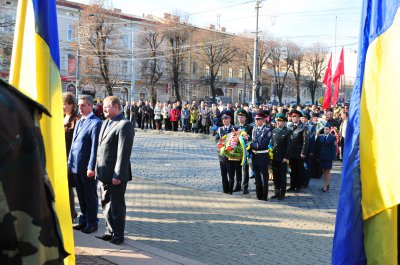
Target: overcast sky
<point>303,21</point>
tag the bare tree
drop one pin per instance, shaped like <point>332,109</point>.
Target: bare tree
<point>177,36</point>
<point>315,62</point>
<point>151,42</point>
<point>217,49</point>
<point>7,24</point>
<point>246,55</point>
<point>101,50</point>
<point>295,55</point>
<point>280,64</point>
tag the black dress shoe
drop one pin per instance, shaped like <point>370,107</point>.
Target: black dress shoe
<point>89,230</point>
<point>275,196</point>
<point>281,197</point>
<point>104,237</point>
<point>245,192</point>
<point>78,227</point>
<point>297,190</point>
<point>290,189</point>
<point>237,189</point>
<point>116,240</point>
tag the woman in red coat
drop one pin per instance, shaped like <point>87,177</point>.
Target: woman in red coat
<point>175,116</point>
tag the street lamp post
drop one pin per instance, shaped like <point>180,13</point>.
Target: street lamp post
<point>78,55</point>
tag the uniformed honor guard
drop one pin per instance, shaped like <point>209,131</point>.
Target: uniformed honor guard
<point>244,170</point>
<point>262,134</point>
<point>227,166</point>
<point>297,151</point>
<point>279,145</point>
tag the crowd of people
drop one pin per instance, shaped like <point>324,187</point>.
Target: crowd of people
<point>307,139</point>
<point>301,140</point>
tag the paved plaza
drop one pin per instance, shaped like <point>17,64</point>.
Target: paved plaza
<point>177,214</point>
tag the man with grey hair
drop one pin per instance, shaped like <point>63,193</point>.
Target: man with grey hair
<point>113,168</point>
<point>82,162</point>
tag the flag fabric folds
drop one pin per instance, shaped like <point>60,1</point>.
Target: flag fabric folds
<point>35,71</point>
<point>336,78</point>
<point>366,230</point>
<point>328,83</point>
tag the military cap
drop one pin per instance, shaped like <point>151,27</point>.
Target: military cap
<point>280,117</point>
<point>225,114</point>
<point>305,114</point>
<point>259,114</point>
<point>242,112</point>
<point>315,115</point>
<point>295,113</point>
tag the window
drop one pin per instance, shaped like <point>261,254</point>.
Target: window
<point>125,41</point>
<point>207,70</point>
<point>124,67</point>
<point>241,73</point>
<point>230,72</point>
<point>220,72</point>
<point>71,65</point>
<point>70,33</point>
<point>240,95</point>
<point>195,69</point>
<point>229,92</point>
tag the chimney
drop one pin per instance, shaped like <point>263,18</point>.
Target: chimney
<point>167,16</point>
<point>176,18</point>
<point>223,29</point>
<point>212,26</point>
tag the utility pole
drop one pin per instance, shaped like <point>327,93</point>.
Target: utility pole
<point>133,72</point>
<point>78,56</point>
<point>255,57</point>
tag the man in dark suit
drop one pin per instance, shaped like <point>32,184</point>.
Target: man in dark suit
<point>297,151</point>
<point>113,168</point>
<point>262,134</point>
<point>227,166</point>
<point>82,162</point>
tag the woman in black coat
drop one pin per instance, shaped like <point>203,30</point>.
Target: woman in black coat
<point>325,154</point>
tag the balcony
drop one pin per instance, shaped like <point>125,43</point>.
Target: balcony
<point>232,81</point>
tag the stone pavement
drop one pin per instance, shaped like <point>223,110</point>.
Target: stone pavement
<point>176,214</point>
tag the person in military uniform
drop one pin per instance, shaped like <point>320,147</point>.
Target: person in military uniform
<point>312,128</point>
<point>227,167</point>
<point>29,228</point>
<point>279,145</point>
<point>297,151</point>
<point>242,125</point>
<point>262,134</point>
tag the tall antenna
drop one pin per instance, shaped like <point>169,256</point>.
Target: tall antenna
<point>219,21</point>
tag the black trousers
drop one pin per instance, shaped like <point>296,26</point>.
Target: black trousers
<point>246,175</point>
<point>174,126</point>
<point>297,174</point>
<point>261,178</point>
<point>279,171</point>
<point>341,147</point>
<point>145,119</point>
<point>227,174</point>
<point>114,208</point>
<point>86,189</point>
<point>238,173</point>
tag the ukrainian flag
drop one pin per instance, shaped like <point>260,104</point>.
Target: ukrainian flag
<point>367,218</point>
<point>35,71</point>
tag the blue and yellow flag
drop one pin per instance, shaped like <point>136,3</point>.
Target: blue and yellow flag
<point>35,71</point>
<point>367,216</point>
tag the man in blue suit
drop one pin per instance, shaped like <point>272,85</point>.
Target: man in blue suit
<point>82,162</point>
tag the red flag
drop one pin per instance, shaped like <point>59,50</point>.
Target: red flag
<point>336,78</point>
<point>328,84</point>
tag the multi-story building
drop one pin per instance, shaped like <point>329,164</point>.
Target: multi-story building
<point>128,59</point>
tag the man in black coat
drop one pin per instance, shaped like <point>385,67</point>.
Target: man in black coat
<point>279,145</point>
<point>227,166</point>
<point>297,150</point>
<point>244,171</point>
<point>262,134</point>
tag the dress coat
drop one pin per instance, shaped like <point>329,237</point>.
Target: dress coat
<point>261,138</point>
<point>326,150</point>
<point>114,150</point>
<point>84,145</point>
<point>298,141</point>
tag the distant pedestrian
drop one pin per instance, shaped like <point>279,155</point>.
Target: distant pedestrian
<point>325,154</point>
